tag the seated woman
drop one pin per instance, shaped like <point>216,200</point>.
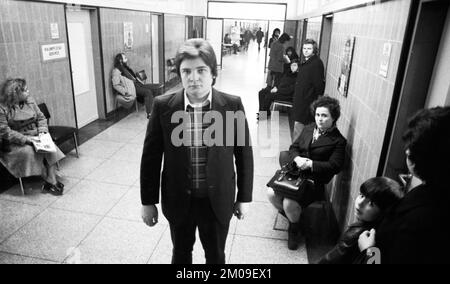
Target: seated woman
<point>320,153</point>
<point>376,197</point>
<point>290,57</point>
<point>20,120</point>
<point>284,92</point>
<point>417,230</point>
<point>142,91</point>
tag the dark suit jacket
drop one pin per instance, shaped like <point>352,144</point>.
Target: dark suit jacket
<point>327,153</point>
<point>309,86</point>
<point>175,177</point>
<point>417,230</point>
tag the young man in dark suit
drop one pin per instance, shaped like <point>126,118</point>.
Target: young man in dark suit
<point>198,180</point>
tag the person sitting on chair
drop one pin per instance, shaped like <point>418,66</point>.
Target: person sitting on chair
<point>320,153</point>
<point>20,121</point>
<point>284,92</point>
<point>142,91</point>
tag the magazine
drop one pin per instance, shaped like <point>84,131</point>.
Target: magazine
<point>44,143</point>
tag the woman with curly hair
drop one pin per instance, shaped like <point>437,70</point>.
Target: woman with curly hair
<point>20,121</point>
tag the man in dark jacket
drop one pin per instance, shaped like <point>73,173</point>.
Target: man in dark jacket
<point>309,86</point>
<point>259,37</point>
<point>198,181</point>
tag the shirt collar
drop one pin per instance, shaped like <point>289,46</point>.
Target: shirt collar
<point>188,103</point>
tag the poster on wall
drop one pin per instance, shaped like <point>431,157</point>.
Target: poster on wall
<point>128,35</point>
<point>346,66</point>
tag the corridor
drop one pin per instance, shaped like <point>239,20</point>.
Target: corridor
<point>99,213</point>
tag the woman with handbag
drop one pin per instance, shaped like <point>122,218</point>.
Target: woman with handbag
<point>319,153</point>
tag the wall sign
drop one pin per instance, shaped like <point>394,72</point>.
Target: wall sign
<point>128,35</point>
<point>53,51</point>
<point>54,30</point>
<point>385,58</point>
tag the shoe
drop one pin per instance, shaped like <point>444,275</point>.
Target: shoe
<point>55,189</point>
<point>294,236</point>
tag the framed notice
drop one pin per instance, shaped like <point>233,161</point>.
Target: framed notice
<point>346,66</point>
<point>53,51</point>
<point>128,35</point>
<point>385,58</point>
<point>54,30</point>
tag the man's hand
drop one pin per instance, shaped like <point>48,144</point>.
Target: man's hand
<point>241,209</point>
<point>366,240</point>
<point>150,215</point>
<point>274,90</point>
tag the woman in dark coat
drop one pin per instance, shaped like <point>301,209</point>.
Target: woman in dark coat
<point>417,231</point>
<point>277,60</point>
<point>284,92</point>
<point>319,152</point>
<point>309,86</point>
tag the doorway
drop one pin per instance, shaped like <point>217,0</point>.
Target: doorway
<point>325,39</point>
<point>214,35</point>
<point>427,31</point>
<point>157,49</point>
<point>82,64</point>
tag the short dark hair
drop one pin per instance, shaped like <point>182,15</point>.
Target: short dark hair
<point>382,191</point>
<point>428,141</point>
<point>284,38</point>
<point>197,48</point>
<point>314,44</point>
<point>330,103</point>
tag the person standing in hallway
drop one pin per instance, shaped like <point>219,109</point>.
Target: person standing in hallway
<point>198,181</point>
<point>309,86</point>
<point>259,37</point>
<point>319,153</point>
<point>275,36</point>
<point>277,60</point>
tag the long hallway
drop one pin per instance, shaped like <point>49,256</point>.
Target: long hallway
<point>99,214</point>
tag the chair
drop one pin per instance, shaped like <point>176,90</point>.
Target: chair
<point>60,134</point>
<point>281,103</point>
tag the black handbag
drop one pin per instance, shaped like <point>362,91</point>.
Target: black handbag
<point>290,182</point>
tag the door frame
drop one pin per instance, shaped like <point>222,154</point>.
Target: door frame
<point>160,46</point>
<point>395,119</point>
<point>97,56</point>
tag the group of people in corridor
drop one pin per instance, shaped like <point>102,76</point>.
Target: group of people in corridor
<point>207,179</point>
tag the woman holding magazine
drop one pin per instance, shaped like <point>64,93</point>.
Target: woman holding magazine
<point>21,122</point>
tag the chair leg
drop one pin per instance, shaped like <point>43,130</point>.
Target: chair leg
<point>76,144</point>
<point>21,186</point>
<point>137,106</point>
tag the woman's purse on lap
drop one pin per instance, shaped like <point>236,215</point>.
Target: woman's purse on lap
<point>290,182</point>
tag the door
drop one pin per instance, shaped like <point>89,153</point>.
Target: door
<point>82,61</point>
<point>325,40</point>
<point>424,46</point>
<point>157,58</point>
<point>214,35</point>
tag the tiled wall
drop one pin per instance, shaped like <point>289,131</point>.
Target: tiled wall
<point>24,26</point>
<point>139,57</point>
<point>365,110</point>
<point>174,37</point>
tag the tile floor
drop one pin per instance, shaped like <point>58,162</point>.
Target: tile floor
<point>99,214</point>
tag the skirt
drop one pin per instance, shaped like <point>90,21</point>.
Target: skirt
<point>23,161</point>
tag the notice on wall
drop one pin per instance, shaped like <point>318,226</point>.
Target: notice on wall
<point>53,51</point>
<point>385,58</point>
<point>128,35</point>
<point>54,30</point>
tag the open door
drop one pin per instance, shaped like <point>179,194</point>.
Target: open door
<point>214,35</point>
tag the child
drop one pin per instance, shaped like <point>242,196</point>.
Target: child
<point>377,195</point>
